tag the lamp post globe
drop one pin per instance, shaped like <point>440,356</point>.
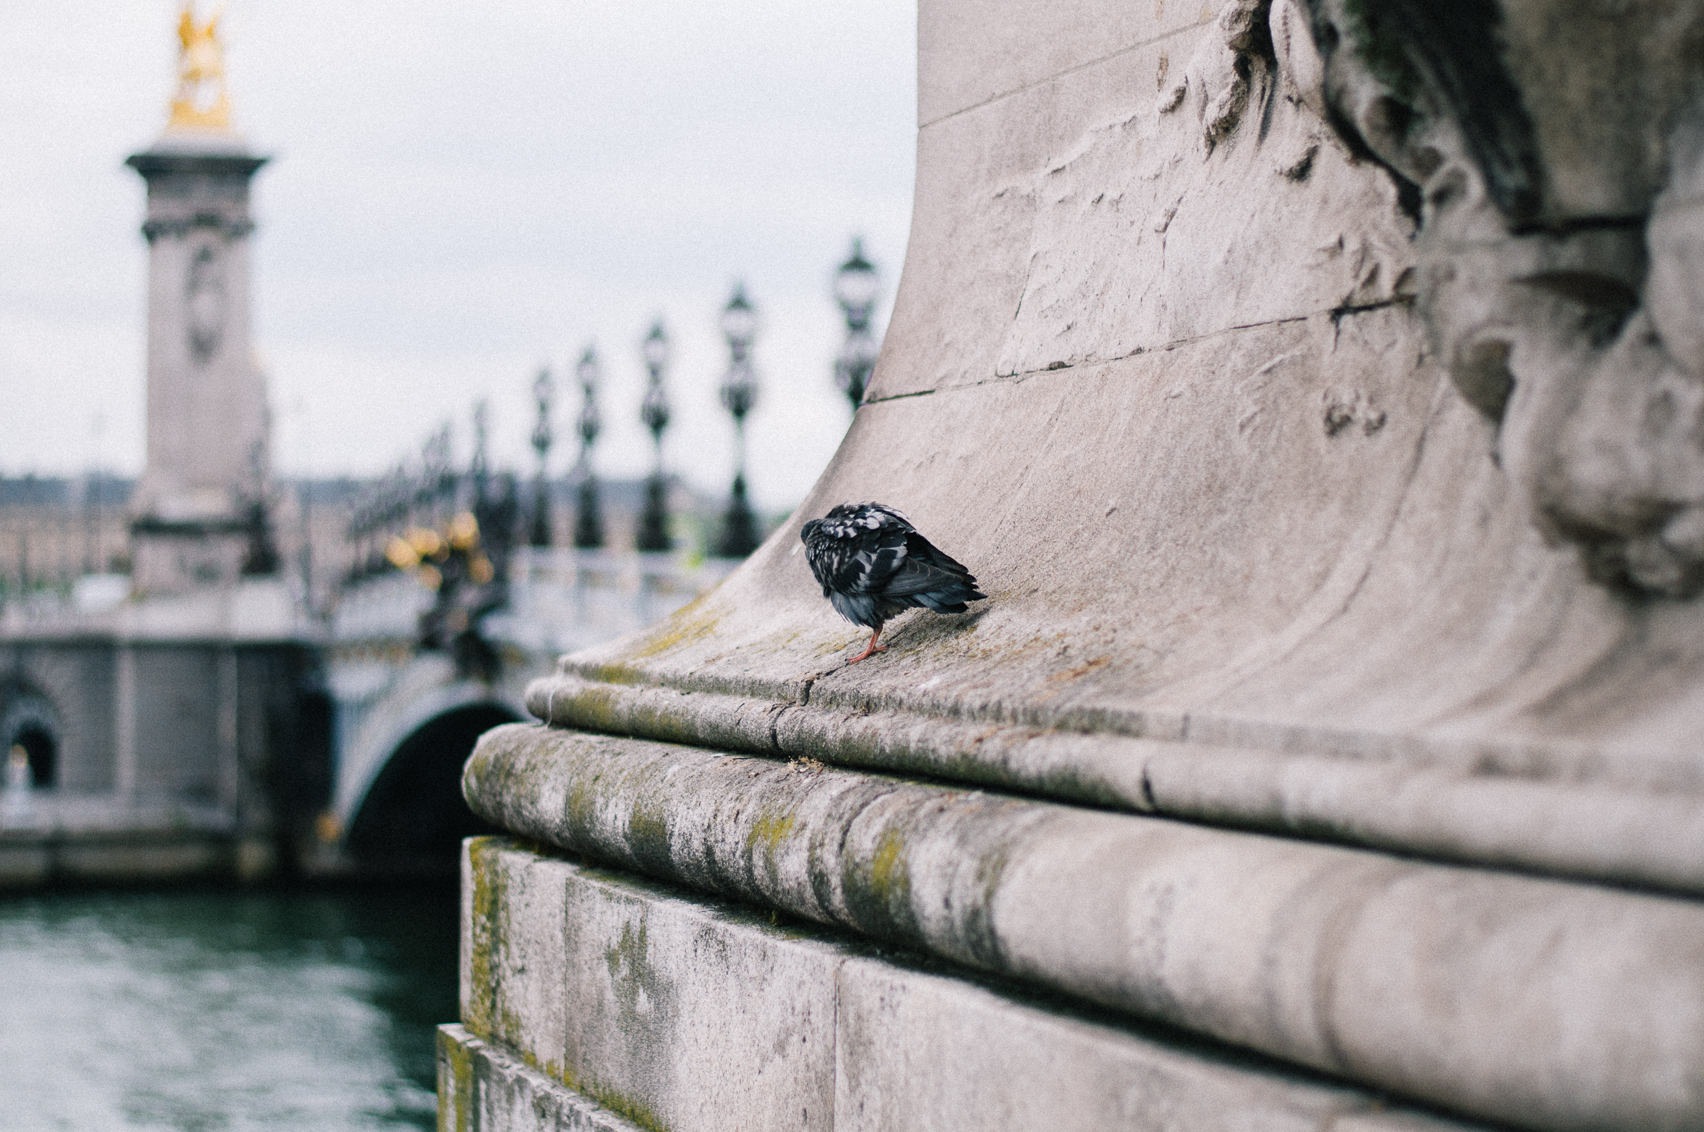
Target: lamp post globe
<point>739,394</point>
<point>857,286</point>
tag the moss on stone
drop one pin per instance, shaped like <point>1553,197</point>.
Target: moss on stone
<point>628,955</point>
<point>648,832</point>
<point>595,708</point>
<point>693,622</point>
<point>486,936</point>
<point>890,878</point>
<point>455,1085</point>
<point>582,805</point>
<point>610,674</point>
<point>635,1110</point>
<point>768,833</point>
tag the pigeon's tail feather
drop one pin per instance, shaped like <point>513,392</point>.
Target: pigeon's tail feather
<point>950,599</point>
<point>933,579</point>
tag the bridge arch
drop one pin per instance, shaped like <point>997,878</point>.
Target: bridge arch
<point>413,813</point>
<point>28,720</point>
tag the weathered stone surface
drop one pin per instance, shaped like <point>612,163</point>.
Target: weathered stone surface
<point>1314,386</point>
<point>1157,374</point>
<point>675,1014</point>
<point>919,1051</point>
<point>1421,979</point>
<point>697,1016</point>
<point>1454,803</point>
<point>480,1086</point>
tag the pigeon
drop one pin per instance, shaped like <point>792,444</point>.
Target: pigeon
<point>872,564</point>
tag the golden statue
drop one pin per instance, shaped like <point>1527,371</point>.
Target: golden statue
<point>201,102</point>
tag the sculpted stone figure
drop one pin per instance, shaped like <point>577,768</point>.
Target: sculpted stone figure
<point>1551,156</point>
<point>202,102</point>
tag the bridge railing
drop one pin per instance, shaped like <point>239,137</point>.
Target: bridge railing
<point>562,599</point>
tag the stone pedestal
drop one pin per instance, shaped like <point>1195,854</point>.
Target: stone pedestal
<point>172,558</point>
<point>1314,389</point>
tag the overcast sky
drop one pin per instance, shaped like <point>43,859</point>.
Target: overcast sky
<point>461,193</point>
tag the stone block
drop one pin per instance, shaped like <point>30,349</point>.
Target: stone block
<point>481,1088</point>
<point>675,1013</point>
<point>1019,44</point>
<point>921,1051</point>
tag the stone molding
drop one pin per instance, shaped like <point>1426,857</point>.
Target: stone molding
<point>1312,954</point>
<point>1571,813</point>
<point>236,166</point>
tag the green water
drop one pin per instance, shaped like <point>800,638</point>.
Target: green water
<point>223,1011</point>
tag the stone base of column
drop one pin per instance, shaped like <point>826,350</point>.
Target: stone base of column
<point>596,1000</point>
<point>175,558</point>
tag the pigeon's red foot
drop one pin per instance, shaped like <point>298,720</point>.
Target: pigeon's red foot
<point>872,648</point>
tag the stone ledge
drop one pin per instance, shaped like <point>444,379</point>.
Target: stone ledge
<point>483,1089</point>
<point>1467,802</point>
<point>1424,980</point>
<point>696,1017</point>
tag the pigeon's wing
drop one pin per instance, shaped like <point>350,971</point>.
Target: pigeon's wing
<point>856,555</point>
<point>875,557</point>
<point>916,577</point>
<point>927,567</point>
<point>933,578</point>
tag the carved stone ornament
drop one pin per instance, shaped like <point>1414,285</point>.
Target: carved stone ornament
<point>204,302</point>
<point>1551,156</point>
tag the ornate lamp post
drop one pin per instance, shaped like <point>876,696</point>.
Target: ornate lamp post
<point>541,438</point>
<point>478,466</point>
<point>739,394</point>
<point>856,287</point>
<point>588,519</point>
<point>654,411</point>
<point>437,477</point>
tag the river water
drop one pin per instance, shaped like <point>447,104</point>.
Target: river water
<point>221,1011</point>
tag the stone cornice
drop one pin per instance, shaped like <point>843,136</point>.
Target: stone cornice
<point>1567,813</point>
<point>154,163</point>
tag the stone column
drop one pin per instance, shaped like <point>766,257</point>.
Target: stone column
<point>207,426</point>
<point>1316,390</point>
